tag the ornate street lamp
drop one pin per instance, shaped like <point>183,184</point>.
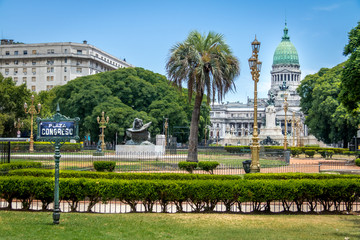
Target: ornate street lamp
<point>286,106</point>
<point>255,67</point>
<point>18,125</point>
<point>102,123</point>
<point>166,125</point>
<point>32,111</point>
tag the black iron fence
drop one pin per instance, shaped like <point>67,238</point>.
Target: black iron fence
<point>5,151</point>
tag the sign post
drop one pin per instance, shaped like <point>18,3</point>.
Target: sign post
<point>57,130</point>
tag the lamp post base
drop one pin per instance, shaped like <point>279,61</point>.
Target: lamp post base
<point>56,216</point>
<point>255,163</point>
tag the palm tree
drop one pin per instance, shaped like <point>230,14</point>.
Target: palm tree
<point>205,63</point>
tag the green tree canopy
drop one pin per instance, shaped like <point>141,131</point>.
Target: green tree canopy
<point>350,80</point>
<point>12,99</point>
<point>123,94</point>
<point>326,117</point>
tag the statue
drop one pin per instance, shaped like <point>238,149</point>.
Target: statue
<point>271,100</point>
<point>138,133</point>
<point>283,87</point>
<point>269,141</point>
<point>98,147</point>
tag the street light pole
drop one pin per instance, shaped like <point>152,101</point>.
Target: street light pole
<point>286,105</point>
<point>18,125</point>
<point>32,111</point>
<point>102,123</point>
<point>255,67</point>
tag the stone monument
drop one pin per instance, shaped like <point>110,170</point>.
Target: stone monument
<point>139,145</point>
<point>271,130</point>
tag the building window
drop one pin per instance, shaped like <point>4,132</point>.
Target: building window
<point>65,69</point>
<point>16,80</point>
<point>24,80</point>
<point>33,88</point>
<point>78,62</point>
<point>65,50</point>
<point>7,63</point>
<point>33,79</point>
<point>25,70</point>
<point>50,78</point>
<point>33,70</point>
<point>16,52</point>
<point>24,62</point>
<point>15,70</point>
<point>65,79</point>
<point>48,87</point>
<point>50,69</point>
<point>96,55</point>
<point>33,63</point>
<point>79,52</point>
<point>34,52</point>
<point>6,71</point>
<point>49,62</point>
<point>25,52</point>
<point>65,60</point>
<point>50,51</point>
<point>16,62</point>
<point>7,53</point>
<point>78,70</point>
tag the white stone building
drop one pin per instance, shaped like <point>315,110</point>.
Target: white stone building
<point>232,123</point>
<point>42,66</point>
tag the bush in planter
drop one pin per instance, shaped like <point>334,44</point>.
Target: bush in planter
<point>208,166</point>
<point>309,153</point>
<point>357,162</point>
<point>102,166</point>
<point>329,153</point>
<point>295,152</point>
<point>187,166</point>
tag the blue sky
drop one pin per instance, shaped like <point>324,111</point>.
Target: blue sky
<point>144,31</point>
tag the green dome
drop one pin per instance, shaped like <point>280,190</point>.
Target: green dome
<point>285,52</point>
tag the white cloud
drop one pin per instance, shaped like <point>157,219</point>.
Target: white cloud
<point>328,8</point>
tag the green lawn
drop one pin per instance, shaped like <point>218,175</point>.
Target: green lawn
<point>38,225</point>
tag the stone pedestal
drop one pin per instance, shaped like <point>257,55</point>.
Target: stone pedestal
<point>160,140</point>
<point>140,150</point>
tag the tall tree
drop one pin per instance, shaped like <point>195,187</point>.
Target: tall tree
<point>326,117</point>
<point>205,63</point>
<point>12,100</point>
<point>350,80</point>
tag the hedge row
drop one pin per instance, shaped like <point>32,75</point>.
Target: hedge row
<point>288,176</point>
<point>241,149</point>
<point>19,165</point>
<point>125,176</point>
<point>200,195</point>
<point>44,147</point>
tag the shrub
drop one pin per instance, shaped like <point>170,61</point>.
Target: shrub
<point>208,166</point>
<point>322,153</point>
<point>309,153</point>
<point>18,165</point>
<point>102,166</point>
<point>187,166</point>
<point>357,162</point>
<point>295,152</point>
<point>124,176</point>
<point>329,153</point>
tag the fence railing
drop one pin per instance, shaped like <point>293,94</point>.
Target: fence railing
<point>5,152</point>
<point>117,206</point>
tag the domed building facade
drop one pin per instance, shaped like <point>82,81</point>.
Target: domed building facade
<point>232,122</point>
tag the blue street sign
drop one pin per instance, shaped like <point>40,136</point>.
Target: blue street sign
<point>57,129</point>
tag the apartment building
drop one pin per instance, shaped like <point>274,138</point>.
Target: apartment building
<point>42,66</point>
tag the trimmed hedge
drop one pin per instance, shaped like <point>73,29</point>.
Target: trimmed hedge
<point>287,176</point>
<point>102,166</point>
<point>125,176</point>
<point>200,195</point>
<point>188,166</point>
<point>310,153</point>
<point>44,147</point>
<point>357,162</point>
<point>208,166</point>
<point>19,165</point>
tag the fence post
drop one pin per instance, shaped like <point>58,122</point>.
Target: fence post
<point>8,152</point>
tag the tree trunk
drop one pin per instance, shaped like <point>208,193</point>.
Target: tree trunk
<point>194,129</point>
